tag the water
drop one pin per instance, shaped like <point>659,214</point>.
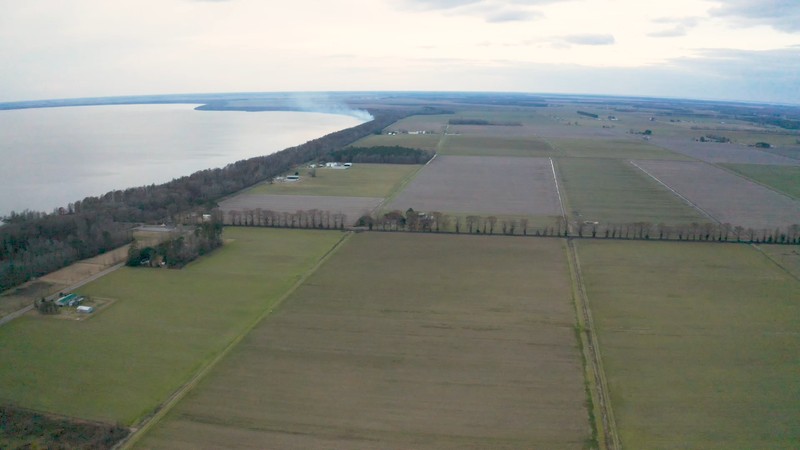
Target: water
<point>50,157</point>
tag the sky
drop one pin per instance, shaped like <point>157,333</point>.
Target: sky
<point>747,50</point>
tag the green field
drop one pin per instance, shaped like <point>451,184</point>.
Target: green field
<point>614,191</point>
<point>472,145</point>
<point>611,148</point>
<point>361,180</point>
<point>163,326</point>
<point>699,344</point>
<point>782,178</point>
<point>404,341</point>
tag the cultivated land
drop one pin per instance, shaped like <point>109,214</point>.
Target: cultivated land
<point>472,145</point>
<point>721,153</point>
<point>360,180</point>
<point>483,185</point>
<point>614,191</point>
<point>351,207</point>
<point>782,178</point>
<point>404,341</point>
<point>699,343</point>
<point>612,148</point>
<point>726,197</point>
<point>164,325</point>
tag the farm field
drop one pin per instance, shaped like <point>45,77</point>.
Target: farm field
<point>611,148</point>
<point>699,343</point>
<point>480,145</point>
<point>403,341</point>
<point>782,178</point>
<point>482,185</point>
<point>121,363</point>
<point>614,191</point>
<point>726,197</point>
<point>786,256</point>
<point>360,180</point>
<point>351,207</point>
<point>711,152</point>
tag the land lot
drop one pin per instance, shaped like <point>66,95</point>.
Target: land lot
<point>785,256</point>
<point>699,343</point>
<point>721,153</point>
<point>164,325</point>
<point>612,191</point>
<point>612,148</point>
<point>477,145</point>
<point>726,197</point>
<point>351,207</point>
<point>404,341</point>
<point>360,180</point>
<point>483,185</point>
<point>59,280</point>
<point>421,141</point>
<point>782,178</point>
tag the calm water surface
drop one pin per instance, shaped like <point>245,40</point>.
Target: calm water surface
<point>50,157</point>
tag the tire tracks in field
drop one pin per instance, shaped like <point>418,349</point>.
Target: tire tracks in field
<point>140,429</point>
<point>606,428</point>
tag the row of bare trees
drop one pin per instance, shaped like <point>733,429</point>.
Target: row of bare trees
<point>312,218</point>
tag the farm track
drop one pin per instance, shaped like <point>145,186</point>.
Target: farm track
<point>608,437</point>
<point>137,432</point>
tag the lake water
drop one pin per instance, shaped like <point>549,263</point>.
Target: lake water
<point>50,157</point>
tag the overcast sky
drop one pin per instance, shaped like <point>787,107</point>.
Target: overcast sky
<point>716,49</point>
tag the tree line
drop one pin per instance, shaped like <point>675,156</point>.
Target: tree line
<point>35,243</point>
<point>382,154</point>
<point>177,252</point>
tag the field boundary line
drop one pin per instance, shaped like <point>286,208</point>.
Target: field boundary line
<point>558,190</point>
<point>741,175</point>
<point>774,261</point>
<point>403,183</point>
<point>138,432</point>
<point>607,432</point>
<point>689,202</point>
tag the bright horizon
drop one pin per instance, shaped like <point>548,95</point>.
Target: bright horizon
<point>733,50</point>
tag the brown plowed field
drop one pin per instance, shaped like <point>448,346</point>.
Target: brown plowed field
<point>352,207</point>
<point>726,197</point>
<point>483,184</point>
<point>404,341</point>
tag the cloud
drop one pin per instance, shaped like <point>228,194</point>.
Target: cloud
<point>672,32</point>
<point>492,11</point>
<point>782,15</point>
<point>589,39</point>
<point>512,15</point>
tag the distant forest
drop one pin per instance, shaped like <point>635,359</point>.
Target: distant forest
<point>36,243</point>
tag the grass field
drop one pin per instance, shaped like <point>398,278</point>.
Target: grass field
<point>123,362</point>
<point>404,341</point>
<point>699,344</point>
<point>470,145</point>
<point>782,178</point>
<point>611,148</point>
<point>613,191</point>
<point>361,180</point>
<point>786,256</point>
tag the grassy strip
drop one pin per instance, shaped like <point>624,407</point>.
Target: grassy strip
<point>606,436</point>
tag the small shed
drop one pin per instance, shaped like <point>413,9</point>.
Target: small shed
<point>86,309</point>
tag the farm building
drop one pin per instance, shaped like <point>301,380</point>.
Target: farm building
<point>69,300</point>
<point>86,309</point>
<point>291,178</point>
<point>336,165</point>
